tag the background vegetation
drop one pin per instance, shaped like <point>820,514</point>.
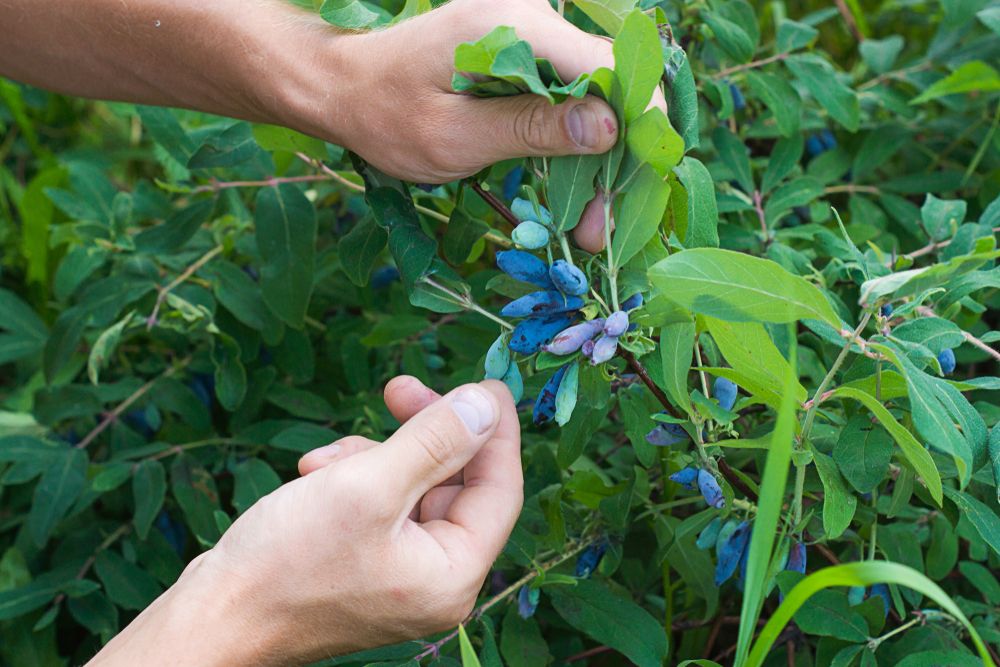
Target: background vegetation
<point>165,358</point>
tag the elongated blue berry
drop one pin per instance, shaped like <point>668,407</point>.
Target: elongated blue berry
<point>725,533</point>
<point>524,209</point>
<point>604,349</point>
<point>882,591</point>
<point>512,181</point>
<point>710,489</point>
<point>590,558</point>
<point>855,595</point>
<point>814,146</point>
<point>530,235</point>
<point>688,478</point>
<point>709,534</point>
<point>571,339</point>
<point>665,435</point>
<point>724,391</point>
<point>587,349</point>
<point>731,552</point>
<point>739,102</point>
<point>797,557</point>
<point>512,378</point>
<point>384,276</point>
<point>524,266</point>
<point>527,601</point>
<point>885,310</point>
<point>530,334</point>
<point>616,324</point>
<point>497,359</point>
<point>545,404</point>
<point>829,141</point>
<point>632,302</point>
<point>946,358</point>
<point>544,302</point>
<point>568,278</point>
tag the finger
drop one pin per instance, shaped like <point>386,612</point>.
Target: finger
<point>530,126</point>
<point>434,444</point>
<point>589,232</point>
<point>480,517</point>
<point>436,503</point>
<point>405,396</point>
<point>335,451</point>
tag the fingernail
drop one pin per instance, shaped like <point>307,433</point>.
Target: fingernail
<point>326,451</point>
<point>582,122</point>
<point>474,409</point>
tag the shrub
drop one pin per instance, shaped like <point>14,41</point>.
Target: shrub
<point>190,303</point>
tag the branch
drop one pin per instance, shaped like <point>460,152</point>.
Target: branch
<point>188,272</point>
<point>852,24</point>
<point>87,564</point>
<point>495,203</point>
<point>931,247</point>
<point>751,65</point>
<point>928,312</point>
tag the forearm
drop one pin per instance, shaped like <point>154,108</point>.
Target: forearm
<point>260,60</point>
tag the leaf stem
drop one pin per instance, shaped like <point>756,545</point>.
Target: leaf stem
<point>564,244</point>
<point>751,65</point>
<point>612,270</point>
<point>495,203</point>
<point>466,302</point>
<point>178,281</point>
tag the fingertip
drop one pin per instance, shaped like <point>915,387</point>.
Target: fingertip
<point>592,125</point>
<point>478,407</point>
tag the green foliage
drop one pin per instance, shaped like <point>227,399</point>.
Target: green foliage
<point>190,303</point>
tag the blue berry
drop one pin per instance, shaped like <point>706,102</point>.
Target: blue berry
<point>617,323</point>
<point>633,302</point>
<point>710,489</point>
<point>590,558</point>
<point>687,478</point>
<point>724,391</point>
<point>665,435</point>
<point>497,359</point>
<point>814,146</point>
<point>568,278</point>
<point>527,601</point>
<point>545,302</point>
<point>604,349</point>
<point>739,102</point>
<point>882,591</point>
<point>946,358</point>
<point>709,534</point>
<point>797,557</point>
<point>531,235</point>
<point>731,553</point>
<point>829,141</point>
<point>524,266</point>
<point>512,181</point>
<point>512,378</point>
<point>525,210</point>
<point>573,338</point>
<point>855,595</point>
<point>545,404</point>
<point>885,310</point>
<point>530,334</point>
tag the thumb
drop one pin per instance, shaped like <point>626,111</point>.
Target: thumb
<point>438,441</point>
<point>531,126</point>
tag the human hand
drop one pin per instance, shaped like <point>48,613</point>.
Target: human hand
<point>400,113</point>
<point>340,559</point>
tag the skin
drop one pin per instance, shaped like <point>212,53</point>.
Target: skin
<point>375,543</point>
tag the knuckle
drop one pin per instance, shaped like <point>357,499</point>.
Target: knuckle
<point>437,444</point>
<point>533,126</point>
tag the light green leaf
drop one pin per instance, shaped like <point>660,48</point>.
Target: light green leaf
<point>638,62</point>
<point>570,187</point>
<point>676,350</point>
<point>702,210</point>
<point>652,139</point>
<point>640,215</point>
<point>820,79</point>
<point>750,351</point>
<point>839,504</point>
<point>739,288</point>
<point>608,14</point>
<point>349,14</point>
<point>780,98</point>
<point>971,76</point>
<point>254,480</point>
<point>469,657</point>
<point>105,346</point>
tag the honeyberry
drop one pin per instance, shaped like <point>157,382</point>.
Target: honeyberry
<point>882,591</point>
<point>497,359</point>
<point>544,302</point>
<point>797,557</point>
<point>855,595</point>
<point>885,310</point>
<point>633,302</point>
<point>731,553</point>
<point>545,404</point>
<point>512,181</point>
<point>814,145</point>
<point>687,478</point>
<point>571,339</point>
<point>829,141</point>
<point>512,378</point>
<point>527,601</point>
<point>524,210</point>
<point>616,324</point>
<point>724,391</point>
<point>710,489</point>
<point>946,358</point>
<point>524,266</point>
<point>604,349</point>
<point>530,334</point>
<point>665,435</point>
<point>587,349</point>
<point>531,235</point>
<point>568,278</point>
<point>727,530</point>
<point>739,102</point>
<point>590,558</point>
<point>709,534</point>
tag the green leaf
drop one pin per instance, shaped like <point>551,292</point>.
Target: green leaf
<point>63,340</point>
<point>682,93</point>
<point>23,599</point>
<point>797,192</point>
<point>827,614</point>
<point>194,489</point>
<point>230,375</point>
<point>286,239</point>
<point>105,346</point>
<point>349,14</point>
<point>469,657</point>
<point>60,485</point>
<point>914,452</point>
<point>641,212</point>
<point>359,249</point>
<point>608,14</point>
<point>175,231</point>
<point>233,146</point>
<point>780,98</point>
<point>862,453</point>
<point>750,351</point>
<point>983,519</point>
<point>612,620</point>
<point>413,251</point>
<point>460,235</point>
<point>702,210</point>
<point>734,155</point>
<point>856,574</point>
<point>275,138</point>
<point>570,186</point>
<point>638,62</point>
<point>820,79</point>
<point>731,36</point>
<point>839,504</point>
<point>254,480</point>
<point>676,351</point>
<point>941,217</point>
<point>793,35</point>
<point>149,488</point>
<point>652,140</point>
<point>128,585</point>
<point>521,641</point>
<point>739,288</point>
<point>973,76</point>
<point>880,54</point>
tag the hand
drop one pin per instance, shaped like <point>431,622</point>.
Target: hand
<point>375,544</point>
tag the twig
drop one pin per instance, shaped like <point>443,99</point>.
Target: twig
<point>852,24</point>
<point>87,564</point>
<point>759,208</point>
<point>112,416</point>
<point>495,203</point>
<point>188,272</point>
<point>894,74</point>
<point>583,655</point>
<point>435,648</point>
<point>852,188</point>
<point>215,186</point>
<point>928,312</point>
<point>751,65</point>
<point>931,247</point>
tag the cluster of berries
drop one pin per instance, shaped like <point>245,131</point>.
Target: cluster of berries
<point>731,540</point>
<point>820,143</point>
<point>858,594</point>
<point>586,563</point>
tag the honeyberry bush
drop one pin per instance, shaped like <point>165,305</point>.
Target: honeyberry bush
<point>756,428</point>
